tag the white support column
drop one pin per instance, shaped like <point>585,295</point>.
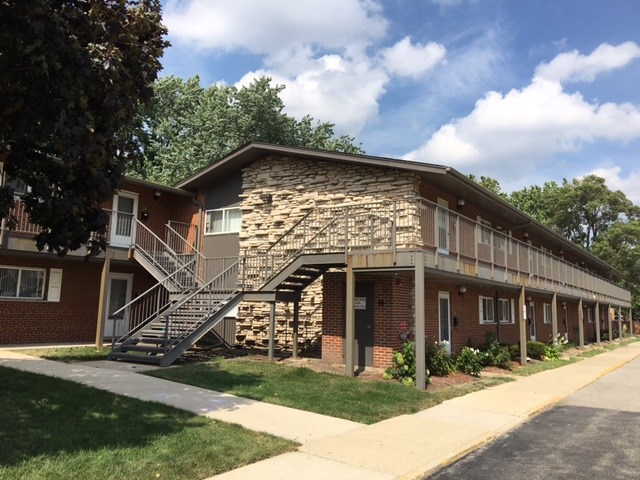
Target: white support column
<point>420,320</point>
<point>597,312</point>
<point>272,329</point>
<point>554,316</point>
<point>580,323</point>
<point>350,321</point>
<point>102,301</point>
<point>523,326</point>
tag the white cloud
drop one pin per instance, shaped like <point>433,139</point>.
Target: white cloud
<point>332,88</point>
<point>268,27</point>
<point>574,67</point>
<point>410,60</point>
<point>514,134</point>
<point>615,181</point>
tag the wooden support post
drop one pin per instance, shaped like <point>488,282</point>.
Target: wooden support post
<point>523,326</point>
<point>619,321</point>
<point>597,312</point>
<point>296,324</point>
<point>580,324</point>
<point>102,300</point>
<point>554,316</point>
<point>350,321</point>
<point>272,330</point>
<point>610,322</point>
<point>421,368</point>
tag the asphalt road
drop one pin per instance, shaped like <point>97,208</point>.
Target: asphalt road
<point>593,434</point>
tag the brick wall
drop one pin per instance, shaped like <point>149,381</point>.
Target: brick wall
<point>74,317</point>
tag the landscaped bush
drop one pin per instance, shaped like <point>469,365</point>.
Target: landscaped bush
<point>535,350</point>
<point>469,361</point>
<point>439,362</point>
<point>496,355</point>
<point>404,365</point>
<point>553,350</point>
<point>514,351</point>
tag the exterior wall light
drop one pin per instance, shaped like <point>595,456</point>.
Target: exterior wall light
<point>460,204</point>
<point>462,290</point>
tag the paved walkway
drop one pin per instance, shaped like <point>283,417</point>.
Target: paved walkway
<point>404,447</point>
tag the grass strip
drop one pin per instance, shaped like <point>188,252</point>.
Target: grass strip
<point>68,354</point>
<point>337,396</point>
<point>56,429</point>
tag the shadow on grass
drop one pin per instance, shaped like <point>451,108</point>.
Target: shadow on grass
<point>48,416</point>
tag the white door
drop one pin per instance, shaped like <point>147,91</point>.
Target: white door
<point>118,295</point>
<point>444,314</point>
<point>123,223</point>
<point>532,320</point>
<point>443,225</point>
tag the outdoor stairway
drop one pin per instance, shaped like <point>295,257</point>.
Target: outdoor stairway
<point>182,307</point>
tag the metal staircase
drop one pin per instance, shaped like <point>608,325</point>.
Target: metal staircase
<point>172,316</point>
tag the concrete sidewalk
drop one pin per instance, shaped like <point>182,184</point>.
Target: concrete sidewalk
<point>404,447</point>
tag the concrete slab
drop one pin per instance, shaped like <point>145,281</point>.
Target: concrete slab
<point>302,466</point>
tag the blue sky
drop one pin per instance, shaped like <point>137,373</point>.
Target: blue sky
<point>522,91</point>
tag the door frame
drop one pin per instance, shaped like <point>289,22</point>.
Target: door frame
<point>108,326</point>
<point>444,296</point>
<point>114,239</point>
<point>532,320</point>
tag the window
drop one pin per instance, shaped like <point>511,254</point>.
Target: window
<point>547,313</point>
<point>18,186</point>
<point>16,282</point>
<point>589,315</point>
<point>485,231</point>
<point>223,220</point>
<point>506,310</point>
<point>486,310</point>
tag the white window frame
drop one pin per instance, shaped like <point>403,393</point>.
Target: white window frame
<point>486,230</point>
<point>483,312</point>
<point>510,309</point>
<point>20,270</point>
<point>225,220</point>
<point>590,316</point>
<point>548,313</point>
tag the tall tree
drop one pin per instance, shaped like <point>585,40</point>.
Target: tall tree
<point>585,208</point>
<point>74,72</point>
<point>188,126</point>
<point>535,200</point>
<point>619,246</point>
<point>490,184</point>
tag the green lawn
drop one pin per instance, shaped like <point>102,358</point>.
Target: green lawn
<point>69,354</point>
<point>56,429</point>
<point>301,388</point>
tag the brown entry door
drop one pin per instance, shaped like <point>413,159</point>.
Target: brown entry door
<point>364,324</point>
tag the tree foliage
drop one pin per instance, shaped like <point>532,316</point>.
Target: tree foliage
<point>490,184</point>
<point>74,72</point>
<point>619,246</point>
<point>189,126</point>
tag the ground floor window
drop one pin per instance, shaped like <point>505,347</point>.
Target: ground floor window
<point>547,313</point>
<point>506,310</point>
<point>18,282</point>
<point>486,310</point>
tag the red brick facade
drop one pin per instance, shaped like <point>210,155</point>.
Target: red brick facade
<point>393,315</point>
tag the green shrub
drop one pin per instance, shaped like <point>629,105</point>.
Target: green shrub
<point>496,355</point>
<point>469,361</point>
<point>553,349</point>
<point>439,362</point>
<point>535,350</point>
<point>404,365</point>
<point>514,351</point>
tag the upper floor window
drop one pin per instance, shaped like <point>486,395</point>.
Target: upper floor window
<point>485,231</point>
<point>16,282</point>
<point>223,220</point>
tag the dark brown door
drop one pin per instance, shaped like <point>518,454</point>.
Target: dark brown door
<point>364,324</point>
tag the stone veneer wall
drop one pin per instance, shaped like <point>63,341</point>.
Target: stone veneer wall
<point>298,186</point>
